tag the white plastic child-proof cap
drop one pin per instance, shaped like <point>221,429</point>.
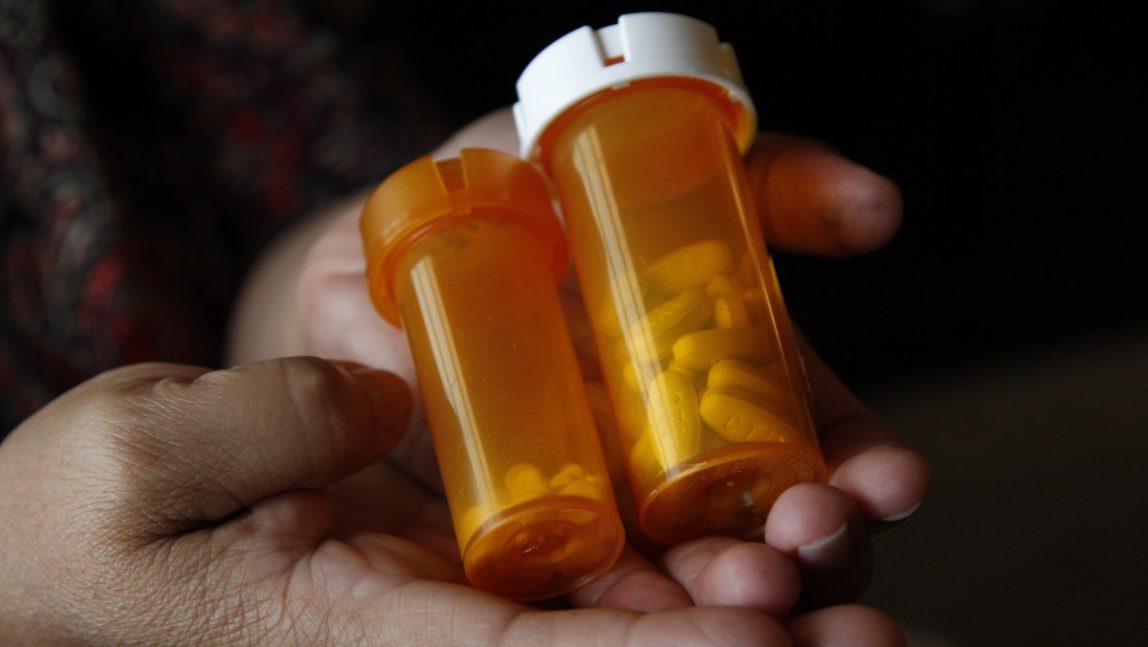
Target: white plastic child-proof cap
<point>641,46</point>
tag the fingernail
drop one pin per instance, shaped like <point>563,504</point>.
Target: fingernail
<point>900,516</point>
<point>867,209</point>
<point>827,550</point>
<point>891,521</point>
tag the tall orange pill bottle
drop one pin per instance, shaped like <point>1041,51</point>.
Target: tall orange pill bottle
<point>641,127</point>
<point>465,254</point>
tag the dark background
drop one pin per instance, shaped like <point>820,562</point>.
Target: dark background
<point>1012,128</point>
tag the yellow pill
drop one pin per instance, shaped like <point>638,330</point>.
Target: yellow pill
<point>524,481</point>
<point>652,454</point>
<point>582,488</point>
<point>628,411</point>
<point>631,378</point>
<point>644,463</point>
<point>674,419</point>
<point>697,351</point>
<point>653,336</point>
<point>723,285</point>
<point>619,360</point>
<point>711,440</point>
<point>742,417</point>
<point>730,312</point>
<point>697,377</point>
<point>688,267</point>
<point>568,474</point>
<point>606,317</point>
<point>732,374</point>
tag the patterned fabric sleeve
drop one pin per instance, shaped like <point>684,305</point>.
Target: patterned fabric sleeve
<point>149,149</point>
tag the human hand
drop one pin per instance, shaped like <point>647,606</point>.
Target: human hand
<point>811,200</point>
<point>163,504</point>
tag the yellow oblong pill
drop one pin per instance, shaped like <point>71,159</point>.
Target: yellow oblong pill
<point>582,488</point>
<point>730,312</point>
<point>568,474</point>
<point>741,417</point>
<point>605,313</point>
<point>630,410</point>
<point>697,351</point>
<point>674,420</point>
<point>525,482</point>
<point>652,337</point>
<point>607,319</point>
<point>687,267</point>
<point>723,285</point>
<point>644,462</point>
<point>732,374</point>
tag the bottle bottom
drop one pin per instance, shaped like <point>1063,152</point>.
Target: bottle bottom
<point>729,491</point>
<point>544,547</point>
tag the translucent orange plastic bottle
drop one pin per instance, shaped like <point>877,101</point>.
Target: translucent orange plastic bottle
<point>465,254</point>
<point>641,126</point>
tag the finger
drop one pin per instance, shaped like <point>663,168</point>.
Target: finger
<point>264,320</point>
<point>722,571</point>
<point>632,583</point>
<point>885,478</point>
<point>812,199</point>
<point>197,446</point>
<point>822,531</point>
<point>385,590</point>
<point>478,619</point>
<point>408,510</point>
<point>337,320</point>
<point>692,626</point>
<point>494,130</point>
<point>846,626</point>
<point>336,316</point>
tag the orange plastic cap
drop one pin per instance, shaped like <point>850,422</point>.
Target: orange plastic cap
<point>426,196</point>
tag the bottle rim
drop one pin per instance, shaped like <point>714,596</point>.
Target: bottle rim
<point>640,46</point>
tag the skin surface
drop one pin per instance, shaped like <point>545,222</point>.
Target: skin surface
<point>163,504</point>
<point>296,501</point>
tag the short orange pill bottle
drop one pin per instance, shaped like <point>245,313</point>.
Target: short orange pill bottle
<point>465,255</point>
<point>641,126</point>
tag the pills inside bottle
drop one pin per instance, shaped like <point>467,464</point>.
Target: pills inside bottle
<point>465,254</point>
<point>640,126</point>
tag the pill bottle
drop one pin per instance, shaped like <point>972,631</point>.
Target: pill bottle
<point>465,255</point>
<point>640,126</point>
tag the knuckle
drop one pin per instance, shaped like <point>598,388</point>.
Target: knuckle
<point>312,387</point>
<point>138,461</point>
<point>322,404</point>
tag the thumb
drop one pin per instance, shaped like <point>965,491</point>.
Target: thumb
<point>198,446</point>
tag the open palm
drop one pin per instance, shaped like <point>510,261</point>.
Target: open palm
<point>816,549</point>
